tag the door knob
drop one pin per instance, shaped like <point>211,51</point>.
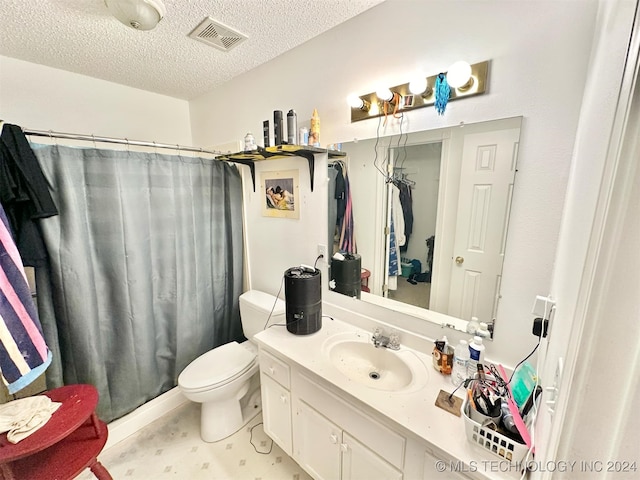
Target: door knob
<point>459,260</point>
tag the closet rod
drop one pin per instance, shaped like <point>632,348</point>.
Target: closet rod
<point>121,141</point>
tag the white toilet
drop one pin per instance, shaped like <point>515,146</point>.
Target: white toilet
<point>226,380</point>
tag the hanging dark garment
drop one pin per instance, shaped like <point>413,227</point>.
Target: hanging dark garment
<point>430,246</point>
<point>24,194</point>
<point>333,207</point>
<point>340,196</point>
<point>407,212</point>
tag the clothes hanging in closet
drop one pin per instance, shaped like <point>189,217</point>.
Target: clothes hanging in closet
<point>394,255</point>
<point>24,194</point>
<point>344,209</point>
<point>407,211</point>
<point>397,214</point>
<point>332,212</point>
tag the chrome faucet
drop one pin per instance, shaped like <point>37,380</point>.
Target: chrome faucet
<point>391,341</point>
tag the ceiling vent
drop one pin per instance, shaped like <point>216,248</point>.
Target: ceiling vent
<point>217,35</point>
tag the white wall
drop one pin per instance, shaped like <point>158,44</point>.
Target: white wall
<point>44,98</point>
<point>589,271</point>
<point>276,244</point>
<point>538,51</point>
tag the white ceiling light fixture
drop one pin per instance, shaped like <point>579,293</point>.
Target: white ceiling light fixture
<point>137,14</point>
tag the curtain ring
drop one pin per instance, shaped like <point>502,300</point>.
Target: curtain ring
<point>127,140</point>
<point>94,141</point>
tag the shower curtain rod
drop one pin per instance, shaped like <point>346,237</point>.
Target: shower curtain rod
<point>121,141</point>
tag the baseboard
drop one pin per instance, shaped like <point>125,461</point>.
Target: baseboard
<point>144,415</point>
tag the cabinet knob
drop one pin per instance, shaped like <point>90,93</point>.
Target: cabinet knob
<point>344,447</point>
<point>333,438</point>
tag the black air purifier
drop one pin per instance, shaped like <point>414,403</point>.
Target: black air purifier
<point>346,275</point>
<point>303,300</point>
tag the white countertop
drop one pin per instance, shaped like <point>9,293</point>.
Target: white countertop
<point>413,408</point>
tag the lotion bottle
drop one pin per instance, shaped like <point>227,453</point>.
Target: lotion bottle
<point>476,356</point>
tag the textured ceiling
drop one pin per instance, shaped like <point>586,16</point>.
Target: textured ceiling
<point>81,36</point>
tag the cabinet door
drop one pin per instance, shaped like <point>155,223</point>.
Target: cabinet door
<point>317,443</point>
<point>276,412</point>
<point>435,467</point>
<point>359,462</point>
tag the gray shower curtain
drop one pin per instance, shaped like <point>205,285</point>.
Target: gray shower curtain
<point>145,268</point>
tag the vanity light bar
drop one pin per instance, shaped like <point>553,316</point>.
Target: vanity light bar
<point>409,101</point>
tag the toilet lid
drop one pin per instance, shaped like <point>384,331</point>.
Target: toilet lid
<point>216,366</point>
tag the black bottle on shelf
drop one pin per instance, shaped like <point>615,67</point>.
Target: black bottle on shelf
<point>278,131</point>
<point>265,133</point>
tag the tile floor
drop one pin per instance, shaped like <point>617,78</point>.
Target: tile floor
<point>171,448</point>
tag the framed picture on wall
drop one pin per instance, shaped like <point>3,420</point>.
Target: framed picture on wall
<point>280,194</point>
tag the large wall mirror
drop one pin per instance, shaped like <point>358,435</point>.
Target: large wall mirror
<point>438,202</point>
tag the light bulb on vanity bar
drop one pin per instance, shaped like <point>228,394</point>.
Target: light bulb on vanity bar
<point>384,94</point>
<point>358,103</point>
<point>459,75</point>
<point>418,85</point>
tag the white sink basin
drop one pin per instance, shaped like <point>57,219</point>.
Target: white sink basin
<point>355,357</point>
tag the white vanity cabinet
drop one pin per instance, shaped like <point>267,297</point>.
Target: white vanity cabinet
<point>328,452</point>
<point>328,437</point>
<point>276,400</point>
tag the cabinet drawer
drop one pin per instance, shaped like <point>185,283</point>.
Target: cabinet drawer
<point>274,368</point>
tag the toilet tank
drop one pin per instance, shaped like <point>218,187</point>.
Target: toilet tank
<point>255,307</point>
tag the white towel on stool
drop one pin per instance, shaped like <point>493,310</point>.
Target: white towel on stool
<point>24,416</point>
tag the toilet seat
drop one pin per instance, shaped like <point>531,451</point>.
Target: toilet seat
<point>217,367</point>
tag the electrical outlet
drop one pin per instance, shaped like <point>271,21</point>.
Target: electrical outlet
<point>322,250</point>
<point>542,307</point>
